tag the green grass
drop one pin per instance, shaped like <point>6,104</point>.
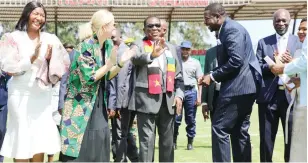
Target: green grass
<point>202,143</point>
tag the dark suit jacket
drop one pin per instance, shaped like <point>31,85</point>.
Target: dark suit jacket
<point>3,89</point>
<point>63,84</point>
<point>266,47</point>
<point>120,87</point>
<point>210,64</point>
<point>238,68</point>
<point>141,100</point>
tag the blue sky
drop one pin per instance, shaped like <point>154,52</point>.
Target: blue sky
<point>259,29</point>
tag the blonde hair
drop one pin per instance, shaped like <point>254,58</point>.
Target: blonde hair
<point>99,19</point>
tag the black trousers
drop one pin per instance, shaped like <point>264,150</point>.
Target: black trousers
<point>3,119</point>
<point>123,142</point>
<point>216,94</point>
<point>269,115</point>
<point>232,119</point>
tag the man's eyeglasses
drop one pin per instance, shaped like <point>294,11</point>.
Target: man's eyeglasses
<point>152,25</point>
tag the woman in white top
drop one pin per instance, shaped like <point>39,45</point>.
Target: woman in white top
<point>31,131</point>
<point>298,66</point>
<point>299,130</point>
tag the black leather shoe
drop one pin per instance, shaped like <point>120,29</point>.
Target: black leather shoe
<point>190,147</point>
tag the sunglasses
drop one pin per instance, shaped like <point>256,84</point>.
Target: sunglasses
<point>152,25</point>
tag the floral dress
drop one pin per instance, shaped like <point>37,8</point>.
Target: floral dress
<point>84,127</point>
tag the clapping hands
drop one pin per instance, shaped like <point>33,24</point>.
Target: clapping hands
<point>284,58</point>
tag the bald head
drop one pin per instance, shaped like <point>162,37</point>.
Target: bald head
<point>164,27</point>
<point>281,21</point>
<point>282,12</point>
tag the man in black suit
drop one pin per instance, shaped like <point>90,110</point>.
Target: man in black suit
<point>240,76</point>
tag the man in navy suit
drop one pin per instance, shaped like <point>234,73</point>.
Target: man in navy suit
<point>240,76</point>
<point>274,98</point>
<point>3,107</point>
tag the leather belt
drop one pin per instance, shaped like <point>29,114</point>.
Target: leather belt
<point>281,87</point>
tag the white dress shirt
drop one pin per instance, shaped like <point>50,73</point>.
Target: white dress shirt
<point>282,44</point>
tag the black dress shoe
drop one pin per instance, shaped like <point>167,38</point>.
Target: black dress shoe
<point>190,143</point>
<point>190,147</point>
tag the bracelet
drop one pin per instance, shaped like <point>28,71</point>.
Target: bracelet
<point>119,65</point>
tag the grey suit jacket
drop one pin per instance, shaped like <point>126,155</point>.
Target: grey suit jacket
<point>266,47</point>
<point>210,64</point>
<point>120,87</point>
<point>141,100</point>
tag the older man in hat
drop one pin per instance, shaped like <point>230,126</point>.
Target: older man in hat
<point>192,98</point>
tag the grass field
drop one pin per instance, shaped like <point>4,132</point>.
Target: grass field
<point>202,144</point>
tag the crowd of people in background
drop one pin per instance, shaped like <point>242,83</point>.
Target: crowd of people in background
<point>58,97</point>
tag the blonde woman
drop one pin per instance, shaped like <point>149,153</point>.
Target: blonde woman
<point>84,126</point>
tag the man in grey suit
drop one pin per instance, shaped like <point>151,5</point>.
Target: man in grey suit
<point>157,76</point>
<point>120,91</point>
<point>274,98</point>
<point>210,93</point>
<point>240,75</point>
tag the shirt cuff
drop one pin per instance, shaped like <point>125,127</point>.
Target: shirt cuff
<point>150,59</point>
<point>180,97</point>
<point>212,77</point>
<point>204,104</point>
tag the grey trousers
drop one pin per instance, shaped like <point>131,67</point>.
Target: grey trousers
<point>146,129</point>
